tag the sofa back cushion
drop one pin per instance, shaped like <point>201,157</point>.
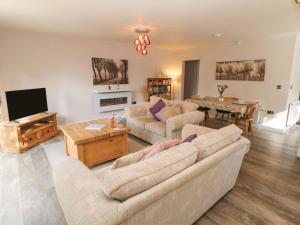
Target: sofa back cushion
<point>188,107</point>
<point>168,112</point>
<point>154,99</point>
<point>146,153</point>
<point>127,181</point>
<point>128,159</point>
<point>214,141</point>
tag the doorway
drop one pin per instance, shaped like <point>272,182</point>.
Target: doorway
<point>190,78</point>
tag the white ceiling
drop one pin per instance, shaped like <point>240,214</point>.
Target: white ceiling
<point>174,24</point>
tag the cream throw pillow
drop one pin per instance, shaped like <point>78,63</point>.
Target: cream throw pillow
<point>168,112</point>
<point>127,181</point>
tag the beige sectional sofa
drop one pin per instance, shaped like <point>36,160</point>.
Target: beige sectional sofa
<point>143,125</point>
<point>208,168</point>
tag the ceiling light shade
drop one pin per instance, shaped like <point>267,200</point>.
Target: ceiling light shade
<point>140,37</point>
<point>146,39</point>
<point>136,42</point>
<point>138,48</point>
<point>144,52</point>
<point>142,40</point>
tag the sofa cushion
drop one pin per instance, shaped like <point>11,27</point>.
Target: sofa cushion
<point>128,159</point>
<point>139,122</point>
<point>158,128</point>
<point>127,181</point>
<point>212,142</point>
<point>168,112</point>
<point>145,153</point>
<point>157,107</point>
<point>189,129</point>
<point>188,107</point>
<point>154,99</point>
<point>160,147</point>
<point>189,138</point>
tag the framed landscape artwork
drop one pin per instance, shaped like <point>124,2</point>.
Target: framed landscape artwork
<point>249,70</point>
<point>109,71</point>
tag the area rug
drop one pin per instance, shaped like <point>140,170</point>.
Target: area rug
<point>55,151</point>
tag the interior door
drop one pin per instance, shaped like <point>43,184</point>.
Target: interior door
<point>190,78</point>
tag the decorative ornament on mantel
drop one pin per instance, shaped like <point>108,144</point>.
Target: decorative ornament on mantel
<point>142,40</point>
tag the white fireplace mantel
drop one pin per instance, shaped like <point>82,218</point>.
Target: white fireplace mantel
<point>112,91</point>
<point>111,100</point>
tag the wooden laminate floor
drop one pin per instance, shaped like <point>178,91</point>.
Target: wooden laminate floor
<point>267,190</point>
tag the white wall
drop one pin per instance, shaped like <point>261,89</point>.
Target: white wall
<point>282,68</point>
<point>62,64</point>
<point>277,51</point>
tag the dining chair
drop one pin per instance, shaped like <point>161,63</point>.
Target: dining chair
<point>224,112</point>
<point>247,119</point>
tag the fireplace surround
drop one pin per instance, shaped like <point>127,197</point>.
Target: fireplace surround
<point>111,100</point>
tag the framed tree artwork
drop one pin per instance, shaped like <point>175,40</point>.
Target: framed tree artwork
<point>249,70</point>
<point>109,71</point>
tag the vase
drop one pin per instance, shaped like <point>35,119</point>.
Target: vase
<point>221,99</point>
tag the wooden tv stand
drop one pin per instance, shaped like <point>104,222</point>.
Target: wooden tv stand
<point>23,134</point>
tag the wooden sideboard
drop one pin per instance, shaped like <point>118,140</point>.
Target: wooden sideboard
<point>23,134</point>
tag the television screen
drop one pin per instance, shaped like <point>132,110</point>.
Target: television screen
<point>24,103</point>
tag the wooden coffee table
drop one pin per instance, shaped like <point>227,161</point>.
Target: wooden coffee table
<point>93,147</point>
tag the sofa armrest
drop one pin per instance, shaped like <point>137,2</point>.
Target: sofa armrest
<point>80,195</point>
<point>137,110</point>
<point>176,123</point>
<point>189,129</point>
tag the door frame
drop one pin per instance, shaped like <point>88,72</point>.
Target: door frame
<point>183,76</point>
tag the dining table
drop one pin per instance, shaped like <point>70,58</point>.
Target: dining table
<point>236,107</point>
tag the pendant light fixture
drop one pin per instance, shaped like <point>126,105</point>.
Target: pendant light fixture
<point>142,40</point>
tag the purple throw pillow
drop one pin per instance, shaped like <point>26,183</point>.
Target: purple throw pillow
<point>159,105</point>
<point>189,138</point>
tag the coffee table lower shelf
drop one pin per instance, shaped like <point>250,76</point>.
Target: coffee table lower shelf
<point>97,151</point>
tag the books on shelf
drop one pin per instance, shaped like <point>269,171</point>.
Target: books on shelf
<point>161,87</point>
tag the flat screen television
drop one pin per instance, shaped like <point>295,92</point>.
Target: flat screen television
<point>24,103</point>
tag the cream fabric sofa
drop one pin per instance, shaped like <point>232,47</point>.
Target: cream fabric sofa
<point>178,200</point>
<point>144,126</point>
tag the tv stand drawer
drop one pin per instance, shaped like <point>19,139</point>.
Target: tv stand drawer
<point>29,139</point>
